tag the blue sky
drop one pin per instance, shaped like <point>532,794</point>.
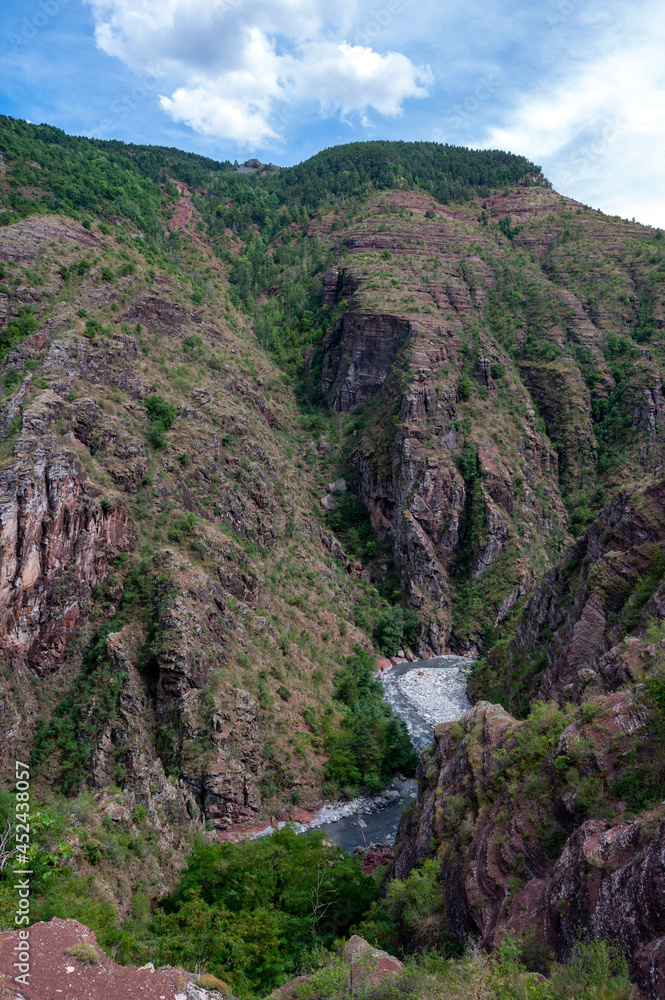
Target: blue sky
<point>576,85</point>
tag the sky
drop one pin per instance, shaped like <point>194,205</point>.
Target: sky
<point>578,86</point>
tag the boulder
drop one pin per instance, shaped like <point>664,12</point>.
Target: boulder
<point>367,968</point>
<point>368,965</point>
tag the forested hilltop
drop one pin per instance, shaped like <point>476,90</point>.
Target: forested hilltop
<point>261,425</point>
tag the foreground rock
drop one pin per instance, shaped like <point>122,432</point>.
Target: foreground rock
<point>368,966</point>
<point>54,972</point>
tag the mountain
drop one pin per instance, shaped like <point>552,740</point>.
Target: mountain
<point>259,425</point>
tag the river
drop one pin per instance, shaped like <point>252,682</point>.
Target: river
<point>422,693</point>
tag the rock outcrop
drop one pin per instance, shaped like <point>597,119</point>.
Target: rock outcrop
<point>134,598</point>
<point>504,804</point>
<point>367,966</point>
<point>571,638</point>
<point>58,538</point>
<point>433,470</point>
<point>358,354</point>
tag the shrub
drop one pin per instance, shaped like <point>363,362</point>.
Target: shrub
<point>411,627</point>
<point>207,982</point>
<point>92,328</point>
<point>157,437</point>
<point>160,411</point>
<point>464,388</point>
<point>11,378</point>
<point>83,953</point>
<point>597,969</point>
<point>93,850</point>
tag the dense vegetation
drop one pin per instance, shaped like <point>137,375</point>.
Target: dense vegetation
<point>372,743</point>
<point>48,170</point>
<point>51,171</point>
<point>254,912</point>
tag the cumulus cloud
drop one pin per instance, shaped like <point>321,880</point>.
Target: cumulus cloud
<point>240,68</point>
<point>600,131</point>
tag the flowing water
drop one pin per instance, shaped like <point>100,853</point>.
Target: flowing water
<point>423,693</point>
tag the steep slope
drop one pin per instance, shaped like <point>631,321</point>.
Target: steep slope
<point>501,399</point>
<point>552,826</point>
<point>477,318</point>
<point>583,629</point>
<point>256,425</point>
<point>167,585</point>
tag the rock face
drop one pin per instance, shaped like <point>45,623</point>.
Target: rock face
<point>406,368</point>
<point>612,883</point>
<point>173,609</point>
<point>57,539</point>
<point>572,631</point>
<point>445,378</point>
<point>133,592</point>
<point>358,355</point>
<point>513,853</point>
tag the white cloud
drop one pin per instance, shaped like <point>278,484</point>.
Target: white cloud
<point>240,68</point>
<point>600,132</point>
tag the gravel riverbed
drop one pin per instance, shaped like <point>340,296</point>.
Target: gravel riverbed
<point>437,693</point>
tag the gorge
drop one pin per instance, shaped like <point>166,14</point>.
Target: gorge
<point>262,432</point>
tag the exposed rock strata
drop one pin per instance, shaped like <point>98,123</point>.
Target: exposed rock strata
<point>56,540</point>
<point>579,613</point>
<point>86,500</point>
<point>606,881</point>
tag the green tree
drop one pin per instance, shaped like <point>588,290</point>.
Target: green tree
<point>389,630</point>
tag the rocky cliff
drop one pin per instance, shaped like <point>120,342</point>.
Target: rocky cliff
<point>583,629</point>
<point>190,357</point>
<point>497,389</point>
<point>503,807</point>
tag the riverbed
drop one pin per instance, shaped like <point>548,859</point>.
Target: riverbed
<point>423,693</point>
